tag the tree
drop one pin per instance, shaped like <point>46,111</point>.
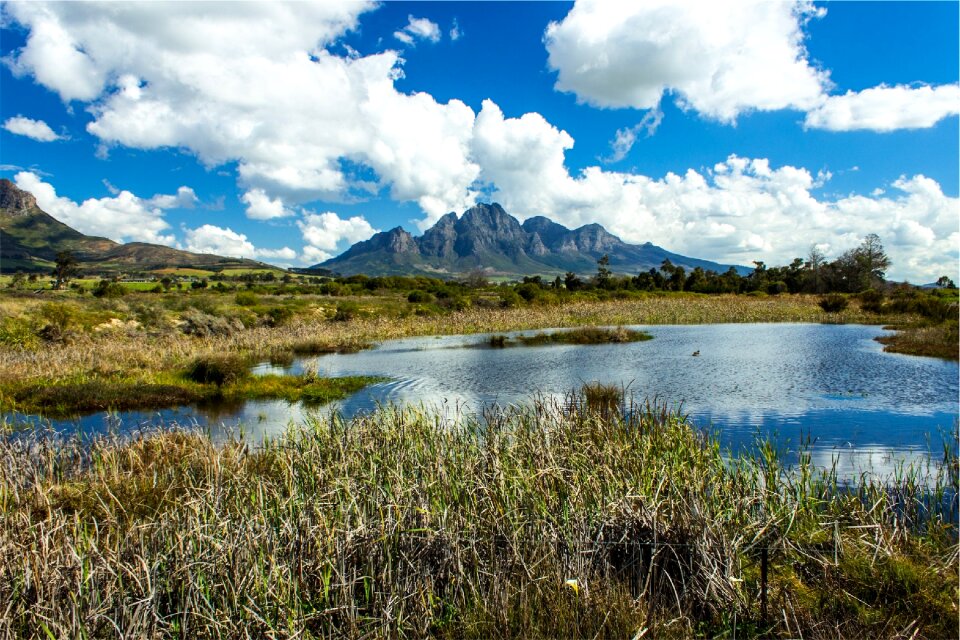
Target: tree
<point>18,280</point>
<point>572,282</point>
<point>873,261</point>
<point>66,269</point>
<point>814,267</point>
<point>946,283</point>
<point>603,272</point>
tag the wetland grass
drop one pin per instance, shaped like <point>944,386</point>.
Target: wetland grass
<point>580,336</point>
<point>404,523</point>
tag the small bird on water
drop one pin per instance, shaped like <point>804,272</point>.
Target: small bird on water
<point>697,352</point>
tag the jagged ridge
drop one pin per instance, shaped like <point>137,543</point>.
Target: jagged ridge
<point>487,237</point>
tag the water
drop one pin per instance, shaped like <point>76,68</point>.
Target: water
<point>832,385</point>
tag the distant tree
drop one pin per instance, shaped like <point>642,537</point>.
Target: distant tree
<point>166,282</point>
<point>66,269</point>
<point>572,282</point>
<point>814,266</point>
<point>946,283</point>
<point>603,272</point>
<point>873,261</point>
<point>18,280</point>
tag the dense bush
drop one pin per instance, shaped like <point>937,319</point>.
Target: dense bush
<point>109,289</point>
<point>246,299</point>
<point>833,303</point>
<point>419,297</point>
<point>218,370</point>
<point>346,311</point>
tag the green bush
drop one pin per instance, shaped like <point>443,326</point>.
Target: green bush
<point>419,296</point>
<point>246,299</point>
<point>346,311</point>
<point>278,316</point>
<point>109,289</point>
<point>833,303</point>
<point>510,298</point>
<point>17,332</point>
<point>218,370</point>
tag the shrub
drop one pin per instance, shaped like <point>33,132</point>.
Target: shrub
<point>278,316</point>
<point>346,311</point>
<point>17,332</point>
<point>778,287</point>
<point>246,299</point>
<point>833,303</point>
<point>871,300</point>
<point>218,370</point>
<point>419,296</point>
<point>510,298</point>
<point>109,289</point>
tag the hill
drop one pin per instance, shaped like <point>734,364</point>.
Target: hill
<point>488,238</point>
<point>30,239</point>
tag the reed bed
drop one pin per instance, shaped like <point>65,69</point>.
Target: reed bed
<point>584,518</point>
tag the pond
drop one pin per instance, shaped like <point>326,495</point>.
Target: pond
<point>832,385</point>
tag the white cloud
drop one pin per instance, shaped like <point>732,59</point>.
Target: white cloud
<point>261,207</point>
<point>223,241</point>
<point>718,58</point>
<point>185,198</point>
<point>455,31</point>
<point>625,138</point>
<point>123,217</point>
<point>251,84</point>
<point>886,108</point>
<point>36,129</point>
<point>324,232</point>
<point>740,210</point>
<point>210,238</point>
<point>419,29</point>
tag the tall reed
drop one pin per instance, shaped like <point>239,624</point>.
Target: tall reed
<point>558,519</point>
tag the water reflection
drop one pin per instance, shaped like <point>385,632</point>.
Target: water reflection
<point>830,384</point>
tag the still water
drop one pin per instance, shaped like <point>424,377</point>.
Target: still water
<point>832,385</point>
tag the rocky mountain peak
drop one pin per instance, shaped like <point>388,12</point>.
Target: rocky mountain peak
<point>15,200</point>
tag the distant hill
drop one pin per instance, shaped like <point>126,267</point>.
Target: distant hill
<point>487,237</point>
<point>30,239</point>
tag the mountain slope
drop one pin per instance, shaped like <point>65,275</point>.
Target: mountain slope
<point>30,239</point>
<point>487,237</point>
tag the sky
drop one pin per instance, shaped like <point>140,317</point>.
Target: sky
<point>730,131</point>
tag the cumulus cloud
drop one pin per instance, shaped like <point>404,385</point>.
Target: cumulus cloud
<point>718,58</point>
<point>224,241</point>
<point>261,207</point>
<point>36,129</point>
<point>739,210</point>
<point>324,232</point>
<point>886,108</point>
<point>170,75</point>
<point>123,217</point>
<point>419,29</point>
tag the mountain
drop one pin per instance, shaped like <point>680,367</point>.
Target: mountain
<point>30,239</point>
<point>487,237</point>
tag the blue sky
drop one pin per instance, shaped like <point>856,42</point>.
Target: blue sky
<point>733,132</point>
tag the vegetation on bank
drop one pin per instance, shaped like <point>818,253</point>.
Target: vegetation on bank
<point>206,379</point>
<point>577,520</point>
<point>580,335</point>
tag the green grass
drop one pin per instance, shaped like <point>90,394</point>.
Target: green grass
<point>580,335</point>
<point>405,524</point>
<point>201,383</point>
